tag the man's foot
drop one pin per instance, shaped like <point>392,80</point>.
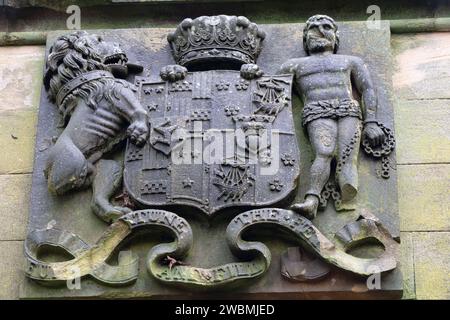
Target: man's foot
<point>348,192</point>
<point>307,208</point>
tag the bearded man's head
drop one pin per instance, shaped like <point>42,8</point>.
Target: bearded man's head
<point>320,34</point>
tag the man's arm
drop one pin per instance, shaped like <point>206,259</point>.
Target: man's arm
<point>288,67</point>
<point>364,84</point>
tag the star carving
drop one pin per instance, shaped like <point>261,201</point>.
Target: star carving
<point>152,107</point>
<point>187,183</point>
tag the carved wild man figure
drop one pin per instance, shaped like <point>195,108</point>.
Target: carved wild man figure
<point>331,115</point>
<point>97,108</point>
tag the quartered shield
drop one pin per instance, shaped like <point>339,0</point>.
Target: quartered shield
<point>216,141</point>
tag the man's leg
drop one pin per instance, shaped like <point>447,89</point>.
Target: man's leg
<point>323,135</point>
<point>349,136</point>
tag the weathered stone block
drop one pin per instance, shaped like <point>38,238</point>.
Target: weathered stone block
<point>18,131</point>
<point>407,266</point>
<point>11,268</point>
<point>21,71</point>
<point>424,203</point>
<point>14,206</point>
<point>432,265</point>
<point>422,131</point>
<point>422,65</point>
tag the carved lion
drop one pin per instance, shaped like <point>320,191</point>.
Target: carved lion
<point>98,111</point>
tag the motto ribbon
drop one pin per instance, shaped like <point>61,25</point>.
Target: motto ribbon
<point>91,260</point>
<point>313,240</point>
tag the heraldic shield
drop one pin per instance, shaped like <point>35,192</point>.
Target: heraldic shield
<point>216,141</point>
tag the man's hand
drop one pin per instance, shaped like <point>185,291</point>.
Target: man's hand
<point>173,72</point>
<point>374,134</point>
<point>250,71</point>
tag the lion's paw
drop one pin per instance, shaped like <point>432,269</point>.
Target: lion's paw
<point>138,132</point>
<point>106,211</point>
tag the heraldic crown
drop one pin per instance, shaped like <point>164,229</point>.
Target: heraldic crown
<point>224,41</point>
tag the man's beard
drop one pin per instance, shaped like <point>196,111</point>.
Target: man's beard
<point>320,45</point>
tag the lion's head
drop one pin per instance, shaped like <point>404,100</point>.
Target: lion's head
<point>77,53</point>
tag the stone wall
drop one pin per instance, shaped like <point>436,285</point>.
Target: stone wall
<point>20,85</point>
<point>422,114</point>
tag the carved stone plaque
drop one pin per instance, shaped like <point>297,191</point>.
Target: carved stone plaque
<point>179,163</point>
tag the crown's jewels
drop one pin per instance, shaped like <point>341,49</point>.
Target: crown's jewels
<point>226,40</point>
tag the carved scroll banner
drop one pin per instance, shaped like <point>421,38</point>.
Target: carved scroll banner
<point>313,240</point>
<point>91,260</point>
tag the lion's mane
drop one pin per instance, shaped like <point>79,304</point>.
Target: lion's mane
<point>69,57</point>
